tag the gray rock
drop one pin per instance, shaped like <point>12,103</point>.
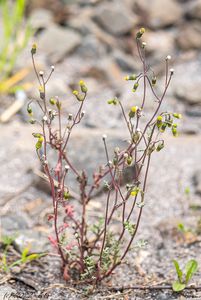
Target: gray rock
<point>158,13</point>
<point>41,18</point>
<point>126,62</point>
<point>194,111</point>
<point>194,9</point>
<point>13,222</point>
<point>186,84</point>
<point>115,18</point>
<point>91,48</point>
<point>163,296</point>
<point>6,292</point>
<point>37,241</point>
<point>190,128</point>
<point>160,43</point>
<point>57,42</point>
<point>189,36</point>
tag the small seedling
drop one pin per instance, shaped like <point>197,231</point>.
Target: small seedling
<point>182,228</point>
<point>6,265</point>
<point>183,278</point>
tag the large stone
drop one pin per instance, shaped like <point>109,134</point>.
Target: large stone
<point>57,42</point>
<point>6,292</point>
<point>186,82</point>
<point>189,36</point>
<point>194,9</point>
<point>157,13</point>
<point>41,18</point>
<point>37,242</point>
<point>126,62</point>
<point>115,18</point>
<point>91,48</point>
<point>160,43</point>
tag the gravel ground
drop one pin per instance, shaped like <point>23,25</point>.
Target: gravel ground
<point>172,171</point>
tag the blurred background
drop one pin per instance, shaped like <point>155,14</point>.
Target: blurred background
<point>94,40</point>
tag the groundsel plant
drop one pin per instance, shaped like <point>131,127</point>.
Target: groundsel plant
<point>95,251</point>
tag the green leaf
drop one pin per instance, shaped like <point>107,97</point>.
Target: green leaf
<point>24,254</point>
<point>177,286</point>
<point>191,267</point>
<point>178,270</point>
<point>33,256</point>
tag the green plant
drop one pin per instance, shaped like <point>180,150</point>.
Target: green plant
<point>5,264</point>
<point>15,37</point>
<point>182,228</point>
<point>183,279</point>
<point>94,252</point>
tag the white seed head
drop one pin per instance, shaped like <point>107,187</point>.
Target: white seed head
<point>44,118</point>
<point>168,57</point>
<point>144,44</point>
<point>41,73</point>
<point>171,71</point>
<point>45,162</point>
<point>67,167</point>
<point>125,155</point>
<point>52,67</point>
<point>104,136</point>
<point>110,163</point>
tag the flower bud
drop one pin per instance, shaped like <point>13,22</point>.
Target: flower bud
<point>135,87</point>
<point>32,121</point>
<point>159,121</point>
<point>83,86</point>
<point>136,136</point>
<point>133,111</point>
<point>163,127</point>
<point>42,92</point>
<point>130,77</point>
<point>135,191</point>
<point>174,131</point>
<point>151,149</point>
<point>177,116</point>
<point>153,81</point>
<point>53,101</point>
<point>29,110</point>
<point>129,160</point>
<point>160,146</point>
<point>140,33</point>
<point>75,92</point>
<point>66,195</point>
<point>113,101</point>
<point>78,96</point>
<point>33,49</point>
